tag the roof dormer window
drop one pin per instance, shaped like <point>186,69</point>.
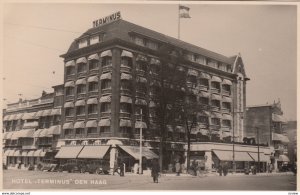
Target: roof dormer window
<point>82,43</point>
<point>94,39</point>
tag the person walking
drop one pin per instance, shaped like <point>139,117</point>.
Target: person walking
<point>155,170</point>
<point>225,169</point>
<point>220,169</point>
<point>177,168</point>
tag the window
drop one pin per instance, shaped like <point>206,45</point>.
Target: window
<point>212,63</point>
<point>106,84</point>
<point>93,64</point>
<point>203,82</point>
<point>105,107</point>
<point>92,130</point>
<point>192,79</point>
<point>81,68</point>
<point>203,100</point>
<point>181,135</point>
<point>68,131</point>
<point>107,61</point>
<point>81,89</point>
<point>69,111</point>
<point>226,105</point>
<point>79,131</point>
<point>155,69</point>
<point>226,88</point>
<point>190,57</point>
<point>69,91</point>
<point>70,70</point>
<point>215,103</point>
<point>215,121</point>
<point>228,67</point>
<point>126,61</point>
<point>203,119</point>
<point>82,43</point>
<point>94,39</point>
<point>93,86</point>
<point>141,66</point>
<point>92,109</point>
<point>125,130</point>
<point>124,107</point>
<point>141,87</point>
<point>226,123</point>
<point>215,85</point>
<point>104,129</point>
<point>152,45</point>
<point>139,41</point>
<point>80,110</point>
<point>200,59</point>
<point>125,85</point>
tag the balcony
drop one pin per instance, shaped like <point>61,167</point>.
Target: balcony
<point>107,68</point>
<point>124,68</point>
<point>225,110</point>
<point>93,115</point>
<point>215,108</point>
<point>93,93</point>
<point>81,74</point>
<point>29,147</point>
<point>93,135</point>
<point>203,106</point>
<point>106,91</point>
<point>71,136</point>
<point>70,77</point>
<point>94,72</point>
<point>215,90</point>
<point>105,114</point>
<point>69,118</point>
<point>203,88</point>
<point>126,92</point>
<point>82,116</point>
<point>125,115</point>
<point>141,73</point>
<point>69,98</point>
<point>226,93</point>
<point>105,134</point>
<point>81,96</point>
<point>140,94</point>
<point>203,125</point>
<point>215,126</point>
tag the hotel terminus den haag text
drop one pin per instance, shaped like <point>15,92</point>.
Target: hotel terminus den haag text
<point>121,81</point>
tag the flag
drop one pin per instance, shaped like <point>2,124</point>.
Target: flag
<point>184,12</point>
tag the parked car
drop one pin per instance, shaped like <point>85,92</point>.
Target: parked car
<point>50,165</point>
<point>71,166</point>
<point>96,166</point>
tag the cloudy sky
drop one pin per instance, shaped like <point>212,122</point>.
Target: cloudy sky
<point>265,35</point>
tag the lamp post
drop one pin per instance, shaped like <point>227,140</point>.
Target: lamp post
<point>141,146</point>
<point>258,156</point>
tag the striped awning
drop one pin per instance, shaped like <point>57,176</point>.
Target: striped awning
<point>6,118</point>
<point>216,79</point>
<point>204,94</point>
<point>192,72</point>
<point>69,152</point>
<point>226,82</point>
<point>91,123</point>
<point>70,84</point>
<point>81,60</point>
<point>105,76</point>
<point>30,153</point>
<point>79,125</point>
<point>280,137</point>
<point>126,99</point>
<point>9,152</point>
<point>134,151</point>
<point>140,102</point>
<point>139,124</point>
<point>203,75</point>
<point>283,158</point>
<point>24,153</point>
<point>141,58</point>
<point>216,97</point>
<point>104,123</point>
<point>228,156</point>
<point>70,63</point>
<point>26,133</point>
<point>68,126</point>
<point>44,133</point>
<point>125,123</point>
<point>226,117</point>
<point>39,153</point>
<point>81,82</point>
<point>31,124</point>
<point>126,54</point>
<point>37,133</point>
<point>80,103</point>
<point>226,99</point>
<point>11,117</point>
<point>69,105</point>
<point>125,76</point>
<point>105,99</point>
<point>92,101</point>
<point>141,79</point>
<point>93,57</point>
<point>56,111</point>
<point>39,113</point>
<point>278,118</point>
<point>92,79</point>
<point>106,53</point>
<point>54,130</point>
<point>8,135</point>
<point>29,115</point>
<point>47,112</point>
<point>154,61</point>
<point>17,153</point>
<point>216,115</point>
<point>19,116</point>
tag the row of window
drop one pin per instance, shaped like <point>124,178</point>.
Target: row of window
<point>93,39</point>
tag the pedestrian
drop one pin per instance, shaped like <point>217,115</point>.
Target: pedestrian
<point>177,168</point>
<point>155,170</point>
<point>225,169</point>
<point>194,167</point>
<point>220,169</point>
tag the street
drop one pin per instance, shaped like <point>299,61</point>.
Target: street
<point>19,179</point>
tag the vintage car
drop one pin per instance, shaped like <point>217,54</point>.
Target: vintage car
<point>71,166</point>
<point>95,166</point>
<point>49,165</point>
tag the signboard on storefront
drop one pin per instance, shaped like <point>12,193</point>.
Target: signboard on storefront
<point>107,19</point>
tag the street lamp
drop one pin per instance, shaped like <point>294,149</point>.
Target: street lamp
<point>141,146</point>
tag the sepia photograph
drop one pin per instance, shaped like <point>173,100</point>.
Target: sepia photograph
<point>149,95</point>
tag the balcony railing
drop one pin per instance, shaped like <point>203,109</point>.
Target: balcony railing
<point>69,118</point>
<point>93,72</point>
<point>225,110</point>
<point>215,108</point>
<point>214,90</point>
<point>71,136</point>
<point>141,94</point>
<point>81,96</point>
<point>141,73</point>
<point>81,74</point>
<point>93,115</point>
<point>93,93</point>
<point>29,147</point>
<point>126,91</point>
<point>70,77</point>
<point>93,135</point>
<point>203,88</point>
<point>69,97</point>
<point>105,114</point>
<point>215,126</point>
<point>82,135</point>
<point>226,93</point>
<point>125,115</point>
<point>203,125</point>
<point>106,91</point>
<point>105,134</point>
<point>203,106</point>
<point>107,68</point>
<point>124,68</point>
<point>82,116</point>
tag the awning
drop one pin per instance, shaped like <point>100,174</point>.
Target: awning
<point>226,99</point>
<point>141,79</point>
<point>69,105</point>
<point>278,118</point>
<point>39,113</point>
<point>93,57</point>
<point>226,82</point>
<point>192,72</point>
<point>8,135</point>
<point>203,75</point>
<point>68,126</point>
<point>24,153</point>
<point>15,135</point>
<point>81,60</point>
<point>139,124</point>
<point>140,102</point>
<point>28,133</point>
<point>91,123</point>
<point>106,53</point>
<point>134,151</point>
<point>94,152</point>
<point>105,99</point>
<point>54,130</point>
<point>70,63</point>
<point>17,153</point>
<point>70,84</point>
<point>280,137</point>
<point>104,123</point>
<point>30,153</point>
<point>126,99</point>
<point>228,156</point>
<point>9,152</point>
<point>79,124</point>
<point>39,153</point>
<point>37,133</point>
<point>125,76</point>
<point>47,112</point>
<point>126,54</point>
<point>216,97</point>
<point>283,158</point>
<point>216,115</point>
<point>31,124</point>
<point>80,103</point>
<point>226,117</point>
<point>125,123</point>
<point>154,61</point>
<point>105,76</point>
<point>204,131</point>
<point>92,79</point>
<point>19,116</point>
<point>69,152</point>
<point>216,79</point>
<point>6,118</point>
<point>226,134</point>
<point>262,157</point>
<point>11,117</point>
<point>44,133</point>
<point>92,101</point>
<point>29,115</point>
<point>81,82</point>
<point>141,58</point>
<point>204,94</point>
<point>56,111</point>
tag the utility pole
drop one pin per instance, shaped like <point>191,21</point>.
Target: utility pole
<point>258,156</point>
<point>141,146</point>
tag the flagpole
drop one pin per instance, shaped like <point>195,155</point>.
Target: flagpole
<point>179,21</point>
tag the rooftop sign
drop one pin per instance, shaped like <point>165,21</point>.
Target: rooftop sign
<point>107,19</point>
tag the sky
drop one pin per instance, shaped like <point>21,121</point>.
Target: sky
<point>35,34</point>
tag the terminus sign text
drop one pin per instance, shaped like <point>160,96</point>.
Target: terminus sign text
<point>107,19</point>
